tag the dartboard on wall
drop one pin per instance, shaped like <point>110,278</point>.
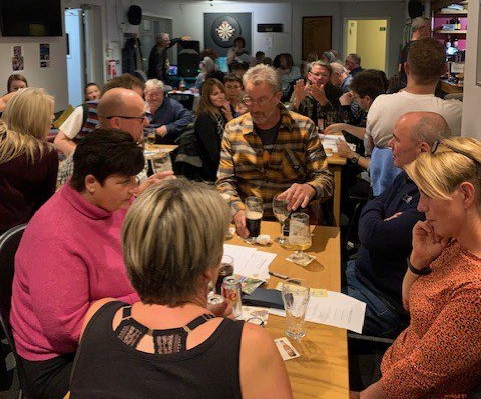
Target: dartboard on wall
<point>221,29</point>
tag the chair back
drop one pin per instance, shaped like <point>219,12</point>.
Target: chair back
<point>186,99</point>
<point>9,242</point>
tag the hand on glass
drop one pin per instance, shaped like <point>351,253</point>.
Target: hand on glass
<point>223,309</point>
<point>161,131</point>
<point>240,224</point>
<point>344,150</point>
<point>298,195</point>
<point>427,245</point>
<point>335,128</point>
<point>346,98</point>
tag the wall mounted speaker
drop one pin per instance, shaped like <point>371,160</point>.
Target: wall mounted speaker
<point>415,9</point>
<point>134,15</point>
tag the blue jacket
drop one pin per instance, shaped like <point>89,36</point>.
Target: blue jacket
<point>172,114</point>
<point>385,244</point>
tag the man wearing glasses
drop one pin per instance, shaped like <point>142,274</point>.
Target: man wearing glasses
<point>318,96</point>
<point>385,230</point>
<point>270,150</point>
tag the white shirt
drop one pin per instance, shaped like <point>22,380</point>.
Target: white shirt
<point>72,125</point>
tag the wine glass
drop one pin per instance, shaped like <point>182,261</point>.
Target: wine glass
<point>279,207</point>
<point>254,213</point>
<point>300,236</point>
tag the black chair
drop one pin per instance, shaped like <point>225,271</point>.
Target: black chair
<point>9,242</point>
<point>186,99</point>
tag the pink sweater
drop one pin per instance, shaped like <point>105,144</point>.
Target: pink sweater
<point>70,256</point>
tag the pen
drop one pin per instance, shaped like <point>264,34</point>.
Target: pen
<point>282,276</point>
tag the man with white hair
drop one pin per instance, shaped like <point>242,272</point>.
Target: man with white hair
<point>158,60</point>
<point>340,76</point>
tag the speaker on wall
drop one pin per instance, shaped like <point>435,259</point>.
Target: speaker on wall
<point>415,9</point>
<point>134,15</point>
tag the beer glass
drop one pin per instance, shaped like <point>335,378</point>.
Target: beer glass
<point>161,162</point>
<point>300,236</point>
<point>279,207</point>
<point>254,213</point>
<point>295,294</point>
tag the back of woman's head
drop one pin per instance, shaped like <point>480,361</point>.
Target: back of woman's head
<point>454,160</point>
<point>173,233</point>
<point>205,104</point>
<point>30,111</point>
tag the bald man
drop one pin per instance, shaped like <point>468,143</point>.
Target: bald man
<point>385,230</point>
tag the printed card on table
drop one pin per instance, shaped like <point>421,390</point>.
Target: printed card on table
<point>286,349</point>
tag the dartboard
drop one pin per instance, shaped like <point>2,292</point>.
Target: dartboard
<point>224,30</point>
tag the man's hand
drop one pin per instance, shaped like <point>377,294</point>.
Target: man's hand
<point>156,178</point>
<point>335,128</point>
<point>298,195</point>
<point>299,91</point>
<point>161,131</point>
<point>343,150</point>
<point>240,224</point>
<point>346,98</point>
<point>318,93</point>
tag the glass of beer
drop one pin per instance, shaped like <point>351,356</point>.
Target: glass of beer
<point>254,213</point>
<point>279,207</point>
<point>300,236</point>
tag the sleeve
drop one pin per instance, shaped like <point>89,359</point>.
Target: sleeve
<point>50,158</point>
<point>59,288</point>
<point>317,174</point>
<point>72,125</point>
<point>450,347</point>
<point>226,180</point>
<point>376,233</point>
<point>372,117</point>
<point>182,117</point>
<point>206,131</point>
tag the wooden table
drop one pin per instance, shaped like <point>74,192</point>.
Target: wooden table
<point>322,370</point>
<point>335,164</point>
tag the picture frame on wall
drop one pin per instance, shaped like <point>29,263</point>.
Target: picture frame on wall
<point>316,35</point>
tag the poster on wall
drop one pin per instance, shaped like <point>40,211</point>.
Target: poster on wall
<point>17,58</point>
<point>44,55</point>
<point>220,30</point>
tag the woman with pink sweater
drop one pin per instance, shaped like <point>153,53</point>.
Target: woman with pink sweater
<point>70,256</point>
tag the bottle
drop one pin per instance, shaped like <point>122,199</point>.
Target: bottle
<point>182,85</point>
<point>455,43</point>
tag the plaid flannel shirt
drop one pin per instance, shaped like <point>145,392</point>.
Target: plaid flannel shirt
<point>247,169</point>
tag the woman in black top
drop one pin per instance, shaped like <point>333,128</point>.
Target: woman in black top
<point>212,114</point>
<point>169,344</point>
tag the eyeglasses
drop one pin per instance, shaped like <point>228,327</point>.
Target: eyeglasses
<point>260,102</point>
<point>436,144</point>
<point>139,118</point>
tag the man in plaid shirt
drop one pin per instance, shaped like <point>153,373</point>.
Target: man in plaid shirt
<point>270,151</point>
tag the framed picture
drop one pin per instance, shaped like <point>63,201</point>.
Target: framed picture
<point>316,35</point>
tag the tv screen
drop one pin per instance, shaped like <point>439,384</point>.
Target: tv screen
<point>31,18</point>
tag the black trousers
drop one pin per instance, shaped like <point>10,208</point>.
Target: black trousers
<point>48,379</point>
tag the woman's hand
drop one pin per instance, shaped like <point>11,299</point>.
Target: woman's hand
<point>344,150</point>
<point>335,128</point>
<point>427,245</point>
<point>346,98</point>
<point>226,110</point>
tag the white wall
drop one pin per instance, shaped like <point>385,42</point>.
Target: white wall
<point>472,93</point>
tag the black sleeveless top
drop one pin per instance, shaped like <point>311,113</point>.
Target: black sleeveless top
<point>107,368</point>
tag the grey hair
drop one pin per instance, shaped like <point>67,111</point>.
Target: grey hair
<point>154,84</point>
<point>356,58</point>
<point>429,128</point>
<point>263,74</point>
<point>209,64</point>
<point>339,68</point>
<point>319,63</point>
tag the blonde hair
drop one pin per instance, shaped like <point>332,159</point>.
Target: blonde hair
<point>28,117</point>
<point>172,233</point>
<point>263,74</point>
<point>456,160</point>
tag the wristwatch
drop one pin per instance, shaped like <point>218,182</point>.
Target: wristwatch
<point>355,159</point>
<point>420,272</point>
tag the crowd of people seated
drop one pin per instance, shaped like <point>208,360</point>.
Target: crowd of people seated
<point>120,257</point>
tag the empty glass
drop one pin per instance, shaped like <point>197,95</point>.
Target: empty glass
<point>300,236</point>
<point>279,207</point>
<point>295,294</point>
<point>161,162</point>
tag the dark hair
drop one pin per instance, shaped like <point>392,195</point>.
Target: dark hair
<point>288,58</point>
<point>126,80</point>
<point>241,39</point>
<point>103,153</point>
<point>239,66</point>
<point>90,84</point>
<point>15,76</point>
<point>232,77</point>
<point>368,83</point>
<point>426,60</point>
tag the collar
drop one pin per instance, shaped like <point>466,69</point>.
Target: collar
<point>287,122</point>
<point>80,204</point>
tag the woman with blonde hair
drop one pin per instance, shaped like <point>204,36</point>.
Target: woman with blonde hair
<point>439,354</point>
<point>28,164</point>
<point>169,343</point>
<point>212,114</point>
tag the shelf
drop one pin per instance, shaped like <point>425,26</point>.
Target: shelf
<point>451,32</point>
<point>452,12</point>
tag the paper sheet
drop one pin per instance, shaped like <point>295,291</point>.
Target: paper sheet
<point>249,261</point>
<point>330,141</point>
<point>334,309</point>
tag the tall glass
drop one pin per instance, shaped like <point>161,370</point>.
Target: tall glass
<point>254,213</point>
<point>279,207</point>
<point>300,236</point>
<point>295,294</point>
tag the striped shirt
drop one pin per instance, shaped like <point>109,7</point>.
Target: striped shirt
<point>297,156</point>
